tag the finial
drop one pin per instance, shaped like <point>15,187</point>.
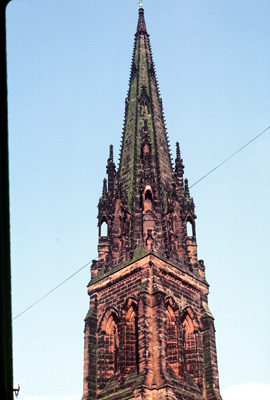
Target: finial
<point>186,189</point>
<point>111,152</point>
<point>104,189</point>
<point>110,168</point>
<point>179,166</point>
<point>140,2</point>
<point>177,150</point>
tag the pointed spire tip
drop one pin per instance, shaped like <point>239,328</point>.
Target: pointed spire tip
<point>141,22</point>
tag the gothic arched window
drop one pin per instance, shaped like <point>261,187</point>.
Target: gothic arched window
<point>108,347</point>
<point>148,199</point>
<point>190,224</point>
<point>131,339</point>
<point>190,346</point>
<point>172,340</point>
<point>103,227</point>
<point>189,229</point>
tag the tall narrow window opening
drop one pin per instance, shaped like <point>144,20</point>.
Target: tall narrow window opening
<point>104,228</point>
<point>108,348</point>
<point>148,200</point>
<point>172,342</point>
<point>131,345</point>
<point>189,228</point>
<point>190,347</point>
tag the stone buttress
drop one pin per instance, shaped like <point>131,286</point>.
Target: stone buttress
<point>149,333</point>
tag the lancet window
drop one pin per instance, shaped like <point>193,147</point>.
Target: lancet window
<point>190,344</point>
<point>190,224</point>
<point>172,339</point>
<point>108,347</point>
<point>148,200</point>
<point>131,345</point>
<point>103,227</point>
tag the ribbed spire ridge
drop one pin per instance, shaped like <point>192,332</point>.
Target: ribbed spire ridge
<point>141,28</point>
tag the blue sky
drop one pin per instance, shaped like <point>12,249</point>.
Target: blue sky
<point>68,69</point>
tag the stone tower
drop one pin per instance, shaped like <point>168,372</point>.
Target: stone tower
<point>149,333</point>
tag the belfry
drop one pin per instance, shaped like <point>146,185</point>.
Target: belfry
<point>149,333</point>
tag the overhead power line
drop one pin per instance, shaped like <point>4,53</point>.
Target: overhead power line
<point>227,159</point>
<point>212,170</point>
<point>47,294</point>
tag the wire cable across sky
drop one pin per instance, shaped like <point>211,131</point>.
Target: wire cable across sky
<point>227,159</point>
<point>47,294</point>
<point>80,269</point>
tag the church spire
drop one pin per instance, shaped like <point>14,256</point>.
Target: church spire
<point>145,190</point>
<point>149,333</point>
<point>144,106</point>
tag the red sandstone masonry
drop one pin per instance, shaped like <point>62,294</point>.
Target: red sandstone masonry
<point>145,346</point>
